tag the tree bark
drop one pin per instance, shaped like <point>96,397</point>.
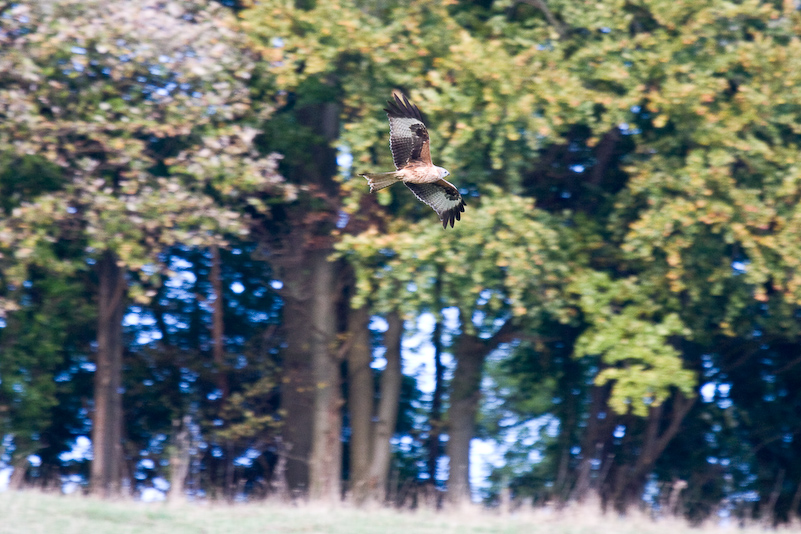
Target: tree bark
<point>17,479</point>
<point>630,479</point>
<point>297,392</point>
<point>325,469</point>
<point>593,443</point>
<point>470,352</point>
<point>217,327</point>
<point>435,421</point>
<point>360,402</point>
<point>465,394</point>
<point>768,513</point>
<point>571,378</point>
<point>795,514</point>
<point>179,460</point>
<point>387,412</point>
<point>218,357</point>
<point>107,420</point>
<point>308,309</point>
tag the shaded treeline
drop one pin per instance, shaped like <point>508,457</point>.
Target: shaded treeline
<point>195,279</point>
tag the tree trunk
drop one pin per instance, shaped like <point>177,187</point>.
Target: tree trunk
<point>17,479</point>
<point>297,392</point>
<point>465,393</point>
<point>325,469</point>
<point>229,489</point>
<point>592,446</point>
<point>470,352</point>
<point>360,402</point>
<point>571,378</point>
<point>768,513</point>
<point>435,421</point>
<point>107,421</point>
<point>218,357</point>
<point>217,327</point>
<point>795,514</point>
<point>387,412</point>
<point>308,313</point>
<point>631,479</point>
<point>179,460</point>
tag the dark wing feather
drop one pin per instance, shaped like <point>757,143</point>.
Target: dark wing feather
<point>443,198</point>
<point>408,137</point>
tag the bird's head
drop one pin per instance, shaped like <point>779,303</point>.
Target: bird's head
<point>442,172</point>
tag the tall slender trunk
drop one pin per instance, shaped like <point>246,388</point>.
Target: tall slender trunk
<point>360,402</point>
<point>107,420</point>
<point>197,328</point>
<point>325,469</point>
<point>435,421</point>
<point>179,459</point>
<point>218,357</point>
<point>795,514</point>
<point>768,513</point>
<point>571,378</point>
<point>217,325</point>
<point>387,411</point>
<point>464,397</point>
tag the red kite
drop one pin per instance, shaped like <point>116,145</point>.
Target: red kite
<point>409,143</point>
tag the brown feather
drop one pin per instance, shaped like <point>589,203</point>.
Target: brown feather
<point>408,136</point>
<point>411,153</point>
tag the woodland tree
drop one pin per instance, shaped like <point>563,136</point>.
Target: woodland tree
<point>140,107</point>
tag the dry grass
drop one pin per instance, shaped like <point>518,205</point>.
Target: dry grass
<point>33,513</point>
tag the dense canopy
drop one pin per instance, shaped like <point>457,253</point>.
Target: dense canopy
<point>195,279</point>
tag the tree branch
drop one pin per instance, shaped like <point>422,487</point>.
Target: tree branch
<point>505,334</point>
<point>681,407</point>
<point>549,16</point>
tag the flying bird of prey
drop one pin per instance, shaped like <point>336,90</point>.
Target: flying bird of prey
<point>411,151</point>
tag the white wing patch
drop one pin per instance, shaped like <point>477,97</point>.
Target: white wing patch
<point>401,139</point>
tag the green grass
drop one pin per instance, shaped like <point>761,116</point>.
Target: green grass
<point>33,513</point>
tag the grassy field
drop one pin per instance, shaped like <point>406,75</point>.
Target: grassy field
<point>34,513</point>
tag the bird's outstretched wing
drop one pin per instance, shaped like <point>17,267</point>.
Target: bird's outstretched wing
<point>408,137</point>
<point>443,197</point>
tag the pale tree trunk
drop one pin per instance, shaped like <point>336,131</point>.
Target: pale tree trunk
<point>325,469</point>
<point>360,401</point>
<point>20,465</point>
<point>107,420</point>
<point>179,460</point>
<point>387,411</point>
<point>795,514</point>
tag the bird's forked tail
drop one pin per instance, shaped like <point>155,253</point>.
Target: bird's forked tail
<point>381,180</point>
